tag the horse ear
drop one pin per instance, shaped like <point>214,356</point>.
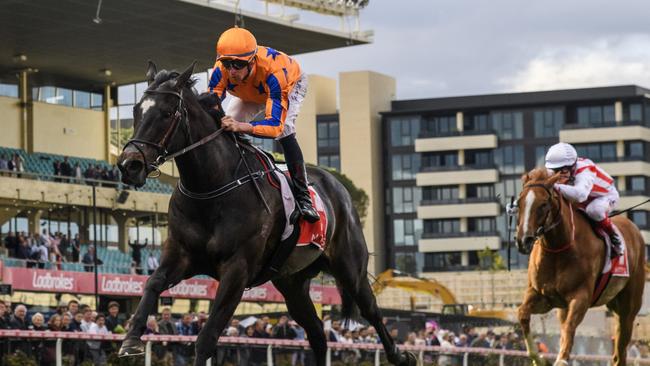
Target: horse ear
<point>182,79</point>
<point>552,180</point>
<point>152,70</point>
<point>525,178</point>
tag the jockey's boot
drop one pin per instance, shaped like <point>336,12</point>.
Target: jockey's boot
<point>301,192</point>
<point>606,225</point>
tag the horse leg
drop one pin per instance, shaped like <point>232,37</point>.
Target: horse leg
<point>626,305</point>
<point>578,307</point>
<point>232,283</point>
<point>170,272</point>
<point>533,303</point>
<point>296,294</point>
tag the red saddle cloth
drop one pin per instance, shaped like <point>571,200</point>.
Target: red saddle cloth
<point>617,267</point>
<point>315,233</point>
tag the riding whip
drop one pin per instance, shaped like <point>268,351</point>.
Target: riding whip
<point>512,202</point>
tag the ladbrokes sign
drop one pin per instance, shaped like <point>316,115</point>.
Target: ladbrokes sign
<point>39,280</point>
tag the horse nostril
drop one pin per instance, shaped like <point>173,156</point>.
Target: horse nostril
<point>529,241</point>
<point>132,166</point>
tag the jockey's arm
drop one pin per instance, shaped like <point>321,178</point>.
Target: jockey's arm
<point>582,185</point>
<point>276,107</point>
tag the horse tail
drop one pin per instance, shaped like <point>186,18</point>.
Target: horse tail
<point>349,308</point>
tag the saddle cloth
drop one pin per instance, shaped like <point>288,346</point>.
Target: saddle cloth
<point>617,267</point>
<point>310,233</point>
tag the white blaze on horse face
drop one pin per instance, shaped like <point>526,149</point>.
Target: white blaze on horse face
<point>146,104</point>
<point>530,199</point>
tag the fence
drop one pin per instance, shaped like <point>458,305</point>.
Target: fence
<point>463,355</point>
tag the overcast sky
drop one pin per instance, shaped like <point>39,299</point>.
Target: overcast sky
<point>457,47</point>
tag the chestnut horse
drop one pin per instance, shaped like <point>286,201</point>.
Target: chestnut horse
<point>566,258</point>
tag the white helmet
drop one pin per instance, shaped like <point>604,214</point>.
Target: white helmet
<point>560,155</point>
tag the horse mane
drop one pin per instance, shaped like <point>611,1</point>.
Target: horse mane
<point>536,175</point>
<point>163,76</point>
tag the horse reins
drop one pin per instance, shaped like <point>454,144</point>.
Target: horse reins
<point>558,219</point>
<point>164,156</point>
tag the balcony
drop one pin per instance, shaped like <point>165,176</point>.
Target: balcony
<point>454,242</point>
<point>605,132</point>
<point>625,166</point>
<point>470,207</point>
<point>455,140</point>
<point>459,174</point>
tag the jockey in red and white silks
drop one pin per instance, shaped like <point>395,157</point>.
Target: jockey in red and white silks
<point>585,183</point>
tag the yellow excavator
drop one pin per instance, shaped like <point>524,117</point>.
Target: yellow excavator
<point>395,279</point>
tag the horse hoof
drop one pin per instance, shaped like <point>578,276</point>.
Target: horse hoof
<point>409,359</point>
<point>131,347</point>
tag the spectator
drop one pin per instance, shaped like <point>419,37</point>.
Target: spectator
<point>65,169</point>
<point>152,328</point>
<point>87,319</point>
<point>18,164</point>
<point>73,307</point>
<point>11,243</point>
<point>89,259</point>
<point>481,341</point>
<point>541,347</point>
<point>40,254</point>
<point>152,263</point>
<point>185,350</point>
<point>257,355</point>
<point>634,352</point>
<point>283,330</point>
<point>56,166</point>
<point>136,254</point>
<point>76,248</point>
<point>78,175</point>
<point>167,326</point>
<point>65,248</point>
<point>112,320</point>
<point>66,320</point>
<point>4,164</point>
<point>240,329</point>
<point>446,359</point>
<point>48,349</point>
<point>97,354</point>
<point>62,308</point>
<point>18,320</point>
<point>4,321</point>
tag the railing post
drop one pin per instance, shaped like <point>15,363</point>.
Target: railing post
<point>269,355</point>
<point>59,353</point>
<point>465,359</point>
<point>377,357</point>
<point>421,357</point>
<point>208,362</point>
<point>328,357</point>
<point>502,358</point>
<point>147,354</point>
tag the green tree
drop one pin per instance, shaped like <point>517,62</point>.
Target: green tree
<point>490,260</point>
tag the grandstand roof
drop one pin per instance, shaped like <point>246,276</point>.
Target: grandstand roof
<point>60,39</point>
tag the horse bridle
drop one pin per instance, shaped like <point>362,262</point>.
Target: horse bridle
<point>558,217</point>
<point>180,114</point>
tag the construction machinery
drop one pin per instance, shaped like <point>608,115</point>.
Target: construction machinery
<point>396,279</point>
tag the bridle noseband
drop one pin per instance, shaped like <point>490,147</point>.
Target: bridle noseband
<point>542,230</point>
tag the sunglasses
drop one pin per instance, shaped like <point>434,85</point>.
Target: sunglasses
<point>564,169</point>
<point>234,64</point>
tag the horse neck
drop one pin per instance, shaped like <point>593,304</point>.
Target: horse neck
<point>208,166</point>
<point>563,234</point>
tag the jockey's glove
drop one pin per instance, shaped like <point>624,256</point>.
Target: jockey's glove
<point>512,209</point>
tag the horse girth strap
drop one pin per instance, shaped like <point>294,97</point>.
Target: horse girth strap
<point>223,189</point>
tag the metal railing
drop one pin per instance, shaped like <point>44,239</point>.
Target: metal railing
<point>468,234</point>
<point>577,126</point>
<point>433,134</point>
<point>462,354</point>
<point>459,201</point>
<point>447,168</point>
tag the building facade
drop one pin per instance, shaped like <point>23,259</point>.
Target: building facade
<point>451,165</point>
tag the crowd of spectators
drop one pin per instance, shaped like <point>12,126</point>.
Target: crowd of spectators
<point>38,249</point>
<point>12,165</point>
<point>66,172</point>
<point>75,317</point>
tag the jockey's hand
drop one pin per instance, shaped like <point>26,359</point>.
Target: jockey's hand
<point>230,124</point>
<point>512,209</point>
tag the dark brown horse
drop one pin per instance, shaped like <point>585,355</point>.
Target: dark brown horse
<point>220,226</point>
<point>566,260</point>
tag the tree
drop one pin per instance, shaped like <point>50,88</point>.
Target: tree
<point>490,260</point>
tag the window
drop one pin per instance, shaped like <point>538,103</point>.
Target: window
<point>328,134</point>
<point>508,188</point>
<point>478,158</point>
<point>480,191</point>
<point>96,101</point>
<point>126,94</point>
<point>440,126</point>
<point>442,226</point>
<point>477,123</point>
<point>596,115</point>
<point>508,125</point>
<point>406,199</point>
<point>509,159</point>
<point>440,193</point>
<point>405,166</point>
<point>442,260</point>
<point>481,224</point>
<point>64,97</point>
<point>332,161</point>
<point>407,231</point>
<point>81,99</point>
<point>640,218</point>
<point>9,90</point>
<point>634,149</point>
<point>404,130</point>
<point>633,112</point>
<point>540,155</point>
<point>597,152</point>
<point>635,183</point>
<point>548,122</point>
<point>440,159</point>
<point>406,262</point>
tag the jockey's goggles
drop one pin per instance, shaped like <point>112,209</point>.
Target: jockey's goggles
<point>563,169</point>
<point>234,64</point>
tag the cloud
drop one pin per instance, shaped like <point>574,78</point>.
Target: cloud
<point>607,61</point>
